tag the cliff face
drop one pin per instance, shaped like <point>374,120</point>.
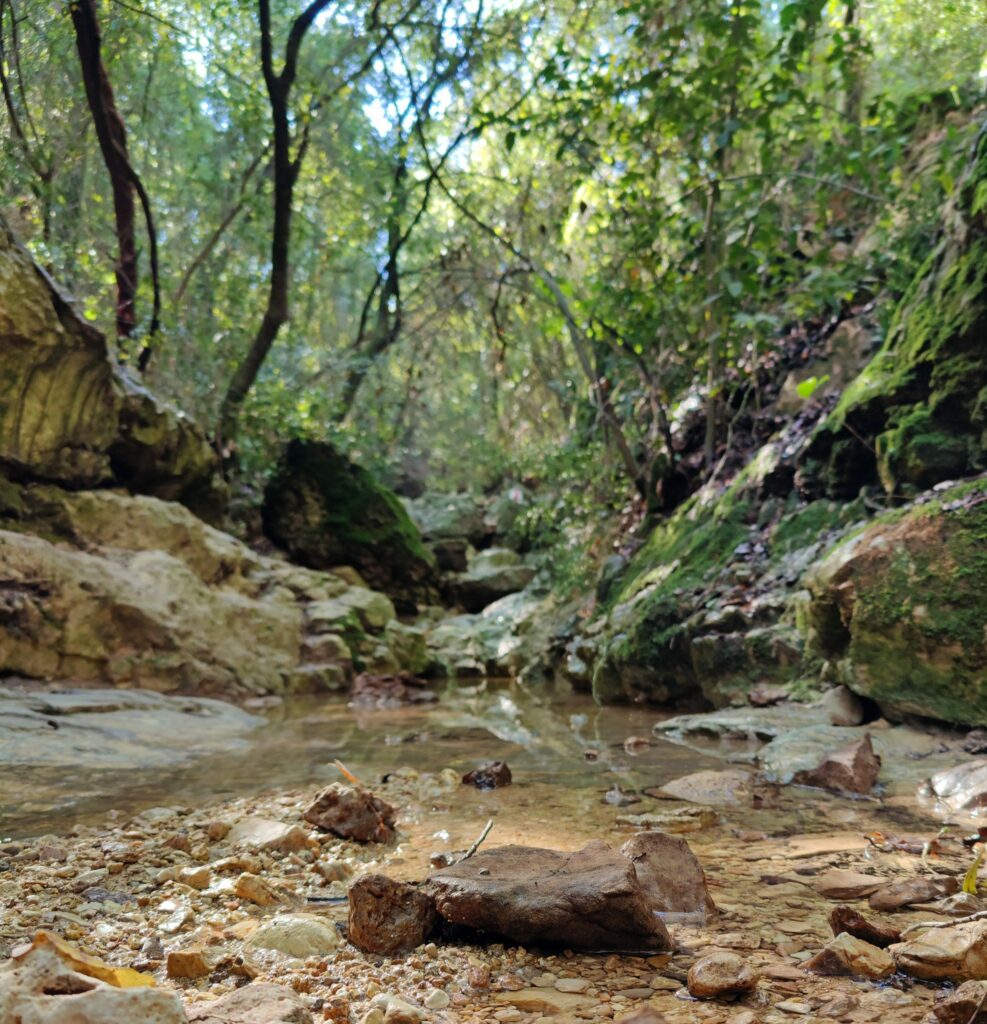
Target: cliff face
<point>69,415</point>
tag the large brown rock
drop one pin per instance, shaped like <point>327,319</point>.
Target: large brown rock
<point>387,916</point>
<point>669,873</point>
<point>851,769</point>
<point>352,813</point>
<point>69,414</point>
<point>589,899</point>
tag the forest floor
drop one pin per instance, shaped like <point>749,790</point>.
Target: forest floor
<point>132,886</point>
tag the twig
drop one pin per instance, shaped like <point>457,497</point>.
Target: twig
<point>979,916</point>
<point>483,835</point>
<point>346,773</point>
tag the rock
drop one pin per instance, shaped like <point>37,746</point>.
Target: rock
<point>297,935</point>
<point>842,707</point>
<point>848,955</point>
<point>390,691</point>
<point>546,1002</point>
<point>326,511</point>
<point>267,834</point>
<point>910,891</point>
<point>646,1015</point>
<point>352,813</point>
<point>670,873</point>
<point>388,917</point>
<point>590,899</point>
<point>719,975</point>
<point>397,1010</point>
<point>851,769</point>
<point>963,787</point>
<point>571,984</point>
<point>256,1003</point>
<point>682,819</point>
<point>489,776</point>
<point>190,964</point>
<point>956,953</point>
<point>847,920</point>
<point>197,878</point>
<point>975,742</point>
<point>964,1005</point>
<point>840,884</point>
<point>728,788</point>
<point>38,987</point>
<point>254,889</point>
<point>218,830</point>
<point>493,574</point>
<point>436,1000</point>
<point>69,413</point>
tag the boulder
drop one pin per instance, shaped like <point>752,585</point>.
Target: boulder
<point>296,935</point>
<point>956,953</point>
<point>589,899</point>
<point>492,574</point>
<point>721,975</point>
<point>388,917</point>
<point>257,1003</point>
<point>352,813</point>
<point>326,511</point>
<point>851,769</point>
<point>670,874</point>
<point>69,414</point>
<point>39,987</point>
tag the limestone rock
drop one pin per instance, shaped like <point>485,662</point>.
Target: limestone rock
<point>851,769</point>
<point>842,707</point>
<point>253,1004</point>
<point>719,975</point>
<point>267,834</point>
<point>254,889</point>
<point>326,511</point>
<point>590,899</point>
<point>352,813</point>
<point>848,955</point>
<point>669,873</point>
<point>40,988</point>
<point>728,788</point>
<point>297,935</point>
<point>188,964</point>
<point>387,916</point>
<point>492,574</point>
<point>957,953</point>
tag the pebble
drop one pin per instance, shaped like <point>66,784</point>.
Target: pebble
<point>436,1000</point>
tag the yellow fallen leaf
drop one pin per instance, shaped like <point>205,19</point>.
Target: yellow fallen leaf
<point>91,966</point>
<point>970,878</point>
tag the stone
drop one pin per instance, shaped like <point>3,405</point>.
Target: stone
<point>267,834</point>
<point>218,831</point>
<point>38,987</point>
<point>847,920</point>
<point>956,953</point>
<point>390,691</point>
<point>909,891</point>
<point>842,706</point>
<point>197,878</point>
<point>352,812</point>
<point>545,1001</point>
<point>841,884</point>
<point>571,984</point>
<point>851,769</point>
<point>326,511</point>
<point>728,788</point>
<point>669,873</point>
<point>387,916</point>
<point>492,575</point>
<point>257,1003</point>
<point>297,935</point>
<point>436,1000</point>
<point>645,1015</point>
<point>848,955</point>
<point>963,787</point>
<point>589,899</point>
<point>720,975</point>
<point>255,889</point>
<point>191,964</point>
<point>397,1010</point>
<point>489,776</point>
<point>966,1004</point>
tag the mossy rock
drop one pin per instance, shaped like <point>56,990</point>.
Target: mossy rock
<point>916,415</point>
<point>326,511</point>
<point>900,608</point>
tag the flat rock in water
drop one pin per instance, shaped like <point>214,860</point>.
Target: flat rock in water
<point>719,975</point>
<point>847,920</point>
<point>352,812</point>
<point>851,769</point>
<point>254,1004</point>
<point>669,873</point>
<point>847,955</point>
<point>387,916</point>
<point>728,788</point>
<point>840,884</point>
<point>957,953</point>
<point>390,691</point>
<point>589,899</point>
<point>910,891</point>
<point>963,787</point>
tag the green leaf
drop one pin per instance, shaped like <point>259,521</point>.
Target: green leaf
<point>807,388</point>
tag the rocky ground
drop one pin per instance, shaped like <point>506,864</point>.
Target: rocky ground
<point>216,901</point>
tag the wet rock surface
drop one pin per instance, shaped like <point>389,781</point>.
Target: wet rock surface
<point>589,899</point>
<point>352,813</point>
